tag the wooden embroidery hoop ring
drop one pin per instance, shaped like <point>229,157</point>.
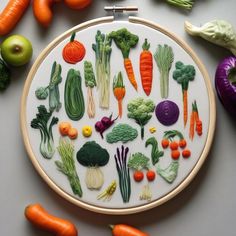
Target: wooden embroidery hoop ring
<point>191,175</point>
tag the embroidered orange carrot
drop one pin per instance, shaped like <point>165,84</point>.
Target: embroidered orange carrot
<point>183,74</point>
<point>125,40</point>
<point>192,122</point>
<point>146,68</point>
<point>195,122</point>
<point>198,121</point>
<point>119,91</point>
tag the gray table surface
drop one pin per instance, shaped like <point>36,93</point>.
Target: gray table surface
<point>206,207</point>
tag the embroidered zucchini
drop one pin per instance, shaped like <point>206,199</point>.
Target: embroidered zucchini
<point>73,96</point>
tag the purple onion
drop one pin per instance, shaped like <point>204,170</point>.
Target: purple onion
<point>167,112</point>
<point>225,83</point>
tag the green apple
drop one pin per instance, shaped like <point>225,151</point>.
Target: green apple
<point>16,50</point>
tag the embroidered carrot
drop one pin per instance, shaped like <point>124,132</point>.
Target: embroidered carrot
<point>183,74</point>
<point>198,121</point>
<point>192,123</point>
<point>195,122</point>
<point>146,68</point>
<point>119,91</point>
<point>125,40</point>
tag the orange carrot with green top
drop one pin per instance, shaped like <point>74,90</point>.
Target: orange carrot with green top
<point>119,91</point>
<point>192,123</point>
<point>198,121</point>
<point>183,74</point>
<point>146,68</point>
<point>125,40</point>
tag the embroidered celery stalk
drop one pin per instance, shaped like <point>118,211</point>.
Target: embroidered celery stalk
<point>90,83</point>
<point>164,57</point>
<point>41,122</point>
<point>102,49</point>
<point>67,165</point>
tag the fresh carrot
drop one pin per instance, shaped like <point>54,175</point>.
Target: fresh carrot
<point>165,143</point>
<point>146,68</point>
<point>175,154</point>
<point>130,72</point>
<point>174,145</point>
<point>77,4</point>
<point>43,11</point>
<point>39,217</point>
<point>185,104</point>
<point>73,133</point>
<point>126,230</point>
<point>119,91</point>
<point>186,153</point>
<point>138,176</point>
<point>64,128</point>
<point>11,14</point>
<point>182,143</point>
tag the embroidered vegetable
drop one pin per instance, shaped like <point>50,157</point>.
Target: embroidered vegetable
<point>90,83</point>
<point>125,40</point>
<point>77,4</point>
<point>195,122</point>
<point>167,112</point>
<point>64,128</point>
<point>185,4</point>
<point>146,68</point>
<point>52,89</point>
<point>39,217</point>
<point>73,96</point>
<point>42,10</point>
<point>140,110</point>
<point>93,156</point>
<point>175,154</point>
<point>225,83</point>
<point>186,153</point>
<point>73,133</point>
<point>138,161</point>
<point>102,49</point>
<point>138,175</point>
<point>5,75</point>
<point>170,173</point>
<point>123,173</point>
<point>171,134</point>
<point>165,143</point>
<point>74,51</point>
<point>164,57</point>
<point>12,14</point>
<point>41,122</point>
<point>156,154</point>
<point>126,230</point>
<point>183,74</point>
<point>146,193</point>
<point>151,175</point>
<point>219,32</point>
<point>119,91</point>
<point>87,131</point>
<point>123,133</point>
<point>107,194</point>
<point>174,145</point>
<point>67,165</point>
<point>152,130</point>
<point>105,123</point>
<point>41,93</point>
